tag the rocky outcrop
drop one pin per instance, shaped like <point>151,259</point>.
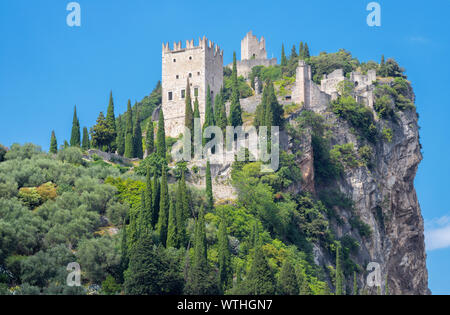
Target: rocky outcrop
<point>385,199</point>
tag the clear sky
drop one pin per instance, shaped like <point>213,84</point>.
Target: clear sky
<point>47,67</point>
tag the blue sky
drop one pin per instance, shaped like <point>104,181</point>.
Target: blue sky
<point>47,67</point>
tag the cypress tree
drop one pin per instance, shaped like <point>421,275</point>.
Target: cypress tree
<point>129,147</point>
<point>172,239</point>
<point>287,280</point>
<point>294,55</point>
<point>225,275</point>
<point>120,140</point>
<point>196,108</point>
<point>111,120</point>
<point>355,284</point>
<point>188,114</point>
<point>235,118</point>
<point>53,144</point>
<point>75,135</point>
<point>66,144</point>
<point>156,196</point>
<point>180,216</point>
<point>305,289</point>
<point>339,273</point>
<point>86,144</point>
<point>307,55</point>
<point>163,219</point>
<point>161,137</point>
<point>209,114</point>
<point>148,202</point>
<point>220,113</point>
<point>185,197</point>
<point>260,280</point>
<point>209,192</point>
<point>150,137</point>
<point>283,57</point>
<point>200,247</point>
<point>301,52</point>
<point>137,138</point>
<point>123,250</point>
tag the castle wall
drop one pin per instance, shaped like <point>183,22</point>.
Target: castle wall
<point>202,65</point>
<point>244,67</point>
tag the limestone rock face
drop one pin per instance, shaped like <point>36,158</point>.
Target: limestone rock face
<point>386,200</point>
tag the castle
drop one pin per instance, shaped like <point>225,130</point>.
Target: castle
<point>201,66</point>
<point>311,95</point>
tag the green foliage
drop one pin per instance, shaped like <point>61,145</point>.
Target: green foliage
<point>235,118</point>
<point>344,155</point>
<point>120,140</point>
<point>388,135</point>
<point>164,204</point>
<point>390,68</point>
<point>161,137</point>
<point>362,227</point>
<point>75,135</point>
<point>272,73</point>
<point>137,138</point>
<point>225,268</point>
<point>367,157</point>
<point>71,155</point>
<point>53,145</point>
<point>86,143</point>
<point>111,121</point>
<point>110,286</point>
<point>359,117</point>
<point>153,270</point>
<point>129,142</point>
<point>220,113</point>
<point>326,63</point>
<point>287,280</point>
<point>260,279</point>
<point>102,134</point>
<point>150,138</point>
<point>340,289</point>
<point>188,114</point>
<point>209,191</point>
<point>269,112</point>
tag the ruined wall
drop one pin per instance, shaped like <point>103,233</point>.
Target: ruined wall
<point>202,65</point>
<point>244,67</point>
<point>251,48</point>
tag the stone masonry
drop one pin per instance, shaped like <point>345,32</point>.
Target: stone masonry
<point>202,65</point>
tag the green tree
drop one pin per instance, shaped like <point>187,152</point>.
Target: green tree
<point>129,143</point>
<point>53,144</point>
<point>283,57</point>
<point>75,140</point>
<point>306,51</point>
<point>196,108</point>
<point>153,270</point>
<point>188,114</point>
<point>163,219</point>
<point>150,137</point>
<point>225,271</point>
<point>301,52</point>
<point>137,138</point>
<point>100,133</point>
<point>260,279</point>
<point>86,143</point>
<point>111,120</point>
<point>209,114</point>
<point>386,285</point>
<point>156,195</point>
<point>209,191</point>
<point>339,273</point>
<point>220,113</point>
<point>180,214</point>
<point>172,239</point>
<point>355,284</point>
<point>287,280</point>
<point>235,118</point>
<point>269,112</point>
<point>161,137</point>
<point>120,140</point>
<point>148,203</point>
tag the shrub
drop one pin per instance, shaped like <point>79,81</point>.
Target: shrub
<point>345,155</point>
<point>30,197</point>
<point>388,134</point>
<point>71,155</point>
<point>366,154</point>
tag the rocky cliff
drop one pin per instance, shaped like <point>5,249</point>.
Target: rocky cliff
<point>384,198</point>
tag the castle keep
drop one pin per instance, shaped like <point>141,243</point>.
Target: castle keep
<point>202,65</point>
<point>253,53</point>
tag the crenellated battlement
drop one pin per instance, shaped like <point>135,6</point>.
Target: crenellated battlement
<point>203,43</point>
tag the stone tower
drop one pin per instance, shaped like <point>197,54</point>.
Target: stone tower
<point>251,48</point>
<point>202,65</point>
